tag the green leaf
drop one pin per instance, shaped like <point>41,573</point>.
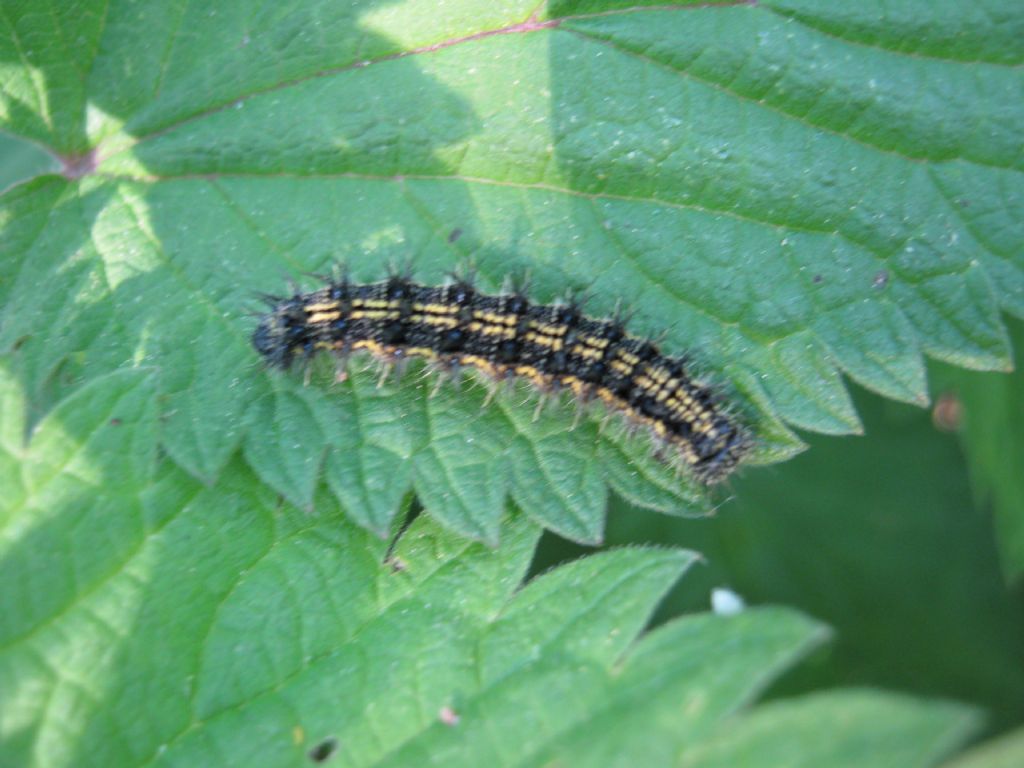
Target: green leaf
<point>21,160</point>
<point>752,177</point>
<point>869,728</point>
<point>797,192</point>
<point>70,517</point>
<point>147,619</point>
<point>1005,752</point>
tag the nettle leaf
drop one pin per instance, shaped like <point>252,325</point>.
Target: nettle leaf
<point>1004,752</point>
<point>790,191</point>
<point>790,733</point>
<point>148,619</point>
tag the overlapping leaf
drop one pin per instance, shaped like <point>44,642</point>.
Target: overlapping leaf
<point>147,619</point>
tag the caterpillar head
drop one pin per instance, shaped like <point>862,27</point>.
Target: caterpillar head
<point>282,334</point>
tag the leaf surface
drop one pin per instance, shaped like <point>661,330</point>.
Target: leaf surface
<point>150,620</point>
<point>751,179</point>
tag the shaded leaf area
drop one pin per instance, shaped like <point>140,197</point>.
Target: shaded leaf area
<point>147,619</point>
<point>879,538</point>
<point>989,412</point>
<point>21,160</point>
<point>751,180</point>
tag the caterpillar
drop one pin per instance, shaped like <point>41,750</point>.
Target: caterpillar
<point>554,346</point>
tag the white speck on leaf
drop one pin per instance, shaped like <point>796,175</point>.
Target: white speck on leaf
<point>725,602</point>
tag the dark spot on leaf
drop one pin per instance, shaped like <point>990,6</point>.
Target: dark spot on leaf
<point>324,750</point>
<point>881,279</point>
<point>115,422</point>
<point>817,279</point>
<point>454,235</point>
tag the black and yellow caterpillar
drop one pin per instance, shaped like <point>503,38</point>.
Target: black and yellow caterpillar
<point>554,346</point>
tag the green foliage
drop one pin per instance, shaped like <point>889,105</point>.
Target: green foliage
<point>254,632</point>
<point>792,191</point>
<point>1006,752</point>
<point>745,176</point>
